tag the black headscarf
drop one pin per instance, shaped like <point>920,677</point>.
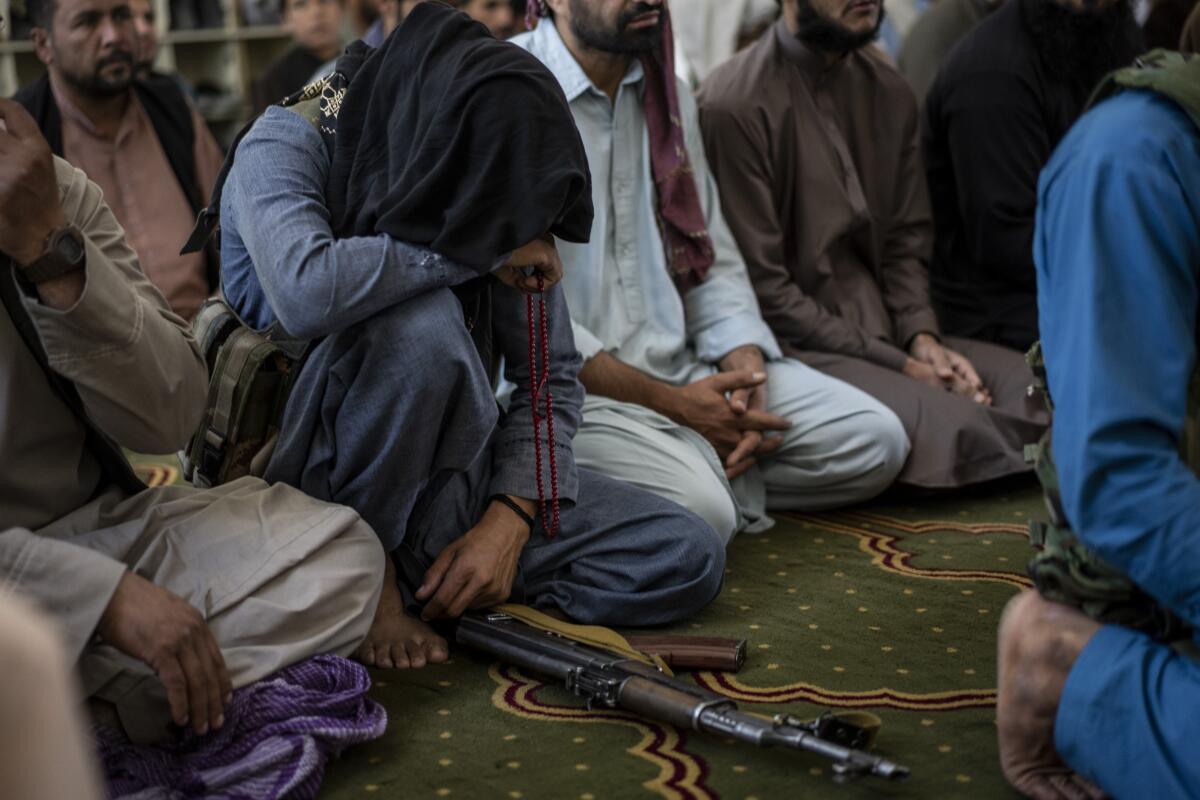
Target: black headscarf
<point>448,138</point>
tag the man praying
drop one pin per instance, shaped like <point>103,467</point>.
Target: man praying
<point>813,140</point>
<point>407,273</point>
<point>688,393</point>
<point>167,598</point>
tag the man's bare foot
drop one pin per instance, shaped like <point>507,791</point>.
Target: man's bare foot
<point>397,639</point>
<point>1039,642</point>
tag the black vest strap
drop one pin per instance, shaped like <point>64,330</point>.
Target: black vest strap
<point>115,467</point>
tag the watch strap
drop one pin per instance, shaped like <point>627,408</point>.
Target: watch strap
<point>53,263</point>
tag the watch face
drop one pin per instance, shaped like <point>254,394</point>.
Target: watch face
<point>69,249</point>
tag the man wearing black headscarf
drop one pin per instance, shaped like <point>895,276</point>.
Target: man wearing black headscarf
<point>370,217</point>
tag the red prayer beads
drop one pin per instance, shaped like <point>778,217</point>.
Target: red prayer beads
<point>536,386</point>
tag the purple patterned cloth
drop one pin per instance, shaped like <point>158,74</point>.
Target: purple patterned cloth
<point>279,733</point>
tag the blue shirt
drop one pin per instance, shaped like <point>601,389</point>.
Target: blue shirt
<point>1118,265</point>
<point>308,281</point>
<point>619,288</point>
<point>1117,250</point>
<point>281,263</point>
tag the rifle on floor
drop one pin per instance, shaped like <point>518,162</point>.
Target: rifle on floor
<point>613,681</point>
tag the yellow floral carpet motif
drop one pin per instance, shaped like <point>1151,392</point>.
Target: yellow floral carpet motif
<point>891,608</point>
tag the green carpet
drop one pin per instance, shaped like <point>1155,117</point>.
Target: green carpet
<point>892,608</point>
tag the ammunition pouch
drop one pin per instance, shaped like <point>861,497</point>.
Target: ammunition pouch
<point>250,378</point>
<point>1065,571</point>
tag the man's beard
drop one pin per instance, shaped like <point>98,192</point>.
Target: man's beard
<point>96,84</point>
<point>591,32</point>
<point>1081,47</point>
<point>826,35</point>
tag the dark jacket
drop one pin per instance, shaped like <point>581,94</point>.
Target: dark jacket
<point>991,121</point>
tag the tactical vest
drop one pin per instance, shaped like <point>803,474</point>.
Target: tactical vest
<point>1064,570</point>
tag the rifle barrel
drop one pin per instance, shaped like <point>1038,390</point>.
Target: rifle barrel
<point>611,680</point>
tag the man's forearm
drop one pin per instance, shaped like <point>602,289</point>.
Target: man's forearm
<point>608,376</point>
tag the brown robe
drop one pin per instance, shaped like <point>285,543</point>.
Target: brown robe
<point>820,178</point>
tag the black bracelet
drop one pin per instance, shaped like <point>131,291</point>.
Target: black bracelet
<point>516,509</point>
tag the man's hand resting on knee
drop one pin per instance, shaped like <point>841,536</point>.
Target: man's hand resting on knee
<point>477,570</point>
<point>754,442</point>
<point>734,422</point>
<point>942,368</point>
<point>158,627</point>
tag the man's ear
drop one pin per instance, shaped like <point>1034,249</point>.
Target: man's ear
<point>42,45</point>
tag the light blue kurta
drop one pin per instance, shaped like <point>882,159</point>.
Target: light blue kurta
<point>619,287</point>
<point>844,446</point>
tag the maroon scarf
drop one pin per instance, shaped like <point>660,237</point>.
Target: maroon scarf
<point>680,215</point>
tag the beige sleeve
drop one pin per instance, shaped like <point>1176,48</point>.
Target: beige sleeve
<point>136,366</point>
<point>67,581</point>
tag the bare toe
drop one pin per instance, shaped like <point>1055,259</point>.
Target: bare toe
<point>399,656</point>
<point>416,653</point>
<point>436,651</point>
<point>366,653</point>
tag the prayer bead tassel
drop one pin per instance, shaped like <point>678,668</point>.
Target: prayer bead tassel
<point>538,384</point>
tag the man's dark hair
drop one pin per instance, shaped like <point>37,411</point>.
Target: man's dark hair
<point>41,12</point>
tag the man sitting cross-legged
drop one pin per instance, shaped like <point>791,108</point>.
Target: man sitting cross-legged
<point>393,412</point>
<point>813,139</point>
<point>169,597</point>
<point>1118,261</point>
<point>688,396</point>
<point>1000,104</point>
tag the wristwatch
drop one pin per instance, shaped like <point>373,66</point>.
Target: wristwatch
<point>64,253</point>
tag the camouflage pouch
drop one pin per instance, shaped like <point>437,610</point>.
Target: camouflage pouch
<point>1066,572</point>
<point>251,376</point>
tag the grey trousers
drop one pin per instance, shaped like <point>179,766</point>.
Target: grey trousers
<point>395,417</point>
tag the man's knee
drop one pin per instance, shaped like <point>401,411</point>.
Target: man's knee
<point>889,444</point>
<point>713,504</point>
<point>706,563</point>
<point>426,335</point>
<point>699,569</point>
<point>354,564</point>
<point>695,486</point>
<point>367,558</point>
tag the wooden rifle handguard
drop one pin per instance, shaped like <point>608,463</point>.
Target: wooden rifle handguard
<point>693,652</point>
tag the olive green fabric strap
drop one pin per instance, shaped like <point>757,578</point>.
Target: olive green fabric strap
<point>592,635</point>
<point>1174,75</point>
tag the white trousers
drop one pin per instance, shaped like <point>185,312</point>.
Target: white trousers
<point>844,447</point>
